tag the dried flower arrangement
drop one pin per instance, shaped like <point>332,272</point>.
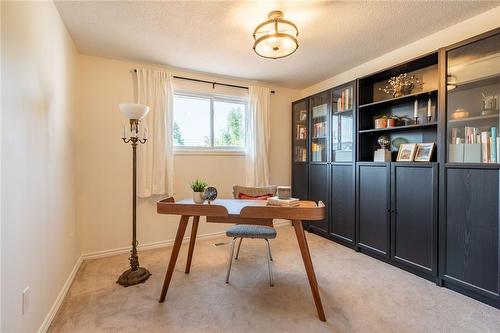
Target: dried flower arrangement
<point>401,85</point>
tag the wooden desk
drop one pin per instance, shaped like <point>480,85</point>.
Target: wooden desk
<point>241,211</point>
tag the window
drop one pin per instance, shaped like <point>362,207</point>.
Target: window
<point>202,121</point>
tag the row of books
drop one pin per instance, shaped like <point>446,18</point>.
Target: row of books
<point>317,151</point>
<point>475,147</point>
<point>344,102</point>
<point>319,129</point>
<point>300,132</point>
<point>300,154</point>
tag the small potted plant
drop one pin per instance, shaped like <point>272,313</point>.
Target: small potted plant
<point>198,186</point>
<point>381,122</point>
<point>392,121</point>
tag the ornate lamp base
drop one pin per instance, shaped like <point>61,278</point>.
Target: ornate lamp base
<point>130,277</point>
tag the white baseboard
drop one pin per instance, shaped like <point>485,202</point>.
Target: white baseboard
<point>106,253</point>
<point>60,297</point>
<point>160,244</point>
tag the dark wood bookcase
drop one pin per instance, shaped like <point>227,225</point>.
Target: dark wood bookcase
<point>436,219</point>
<point>469,247</point>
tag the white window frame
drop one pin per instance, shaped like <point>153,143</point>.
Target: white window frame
<point>212,150</point>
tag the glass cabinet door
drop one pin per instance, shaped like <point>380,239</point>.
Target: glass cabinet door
<point>319,127</point>
<point>343,124</point>
<point>300,131</point>
<point>473,90</point>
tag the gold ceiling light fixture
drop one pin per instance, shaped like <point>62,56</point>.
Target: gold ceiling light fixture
<point>276,37</point>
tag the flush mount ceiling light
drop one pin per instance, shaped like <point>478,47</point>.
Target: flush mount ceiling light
<point>276,37</point>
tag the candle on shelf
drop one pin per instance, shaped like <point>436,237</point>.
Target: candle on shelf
<point>415,109</point>
<point>429,108</point>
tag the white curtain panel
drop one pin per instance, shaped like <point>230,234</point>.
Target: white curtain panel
<point>258,136</point>
<point>155,158</point>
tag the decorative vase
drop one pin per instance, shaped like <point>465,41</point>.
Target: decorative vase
<point>198,197</point>
<point>398,93</point>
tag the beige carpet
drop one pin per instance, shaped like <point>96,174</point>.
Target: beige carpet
<point>359,293</point>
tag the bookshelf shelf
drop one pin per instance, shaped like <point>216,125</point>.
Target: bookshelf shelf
<point>399,128</point>
<point>399,100</point>
<point>342,112</point>
<point>375,104</point>
<point>469,119</point>
<point>475,83</point>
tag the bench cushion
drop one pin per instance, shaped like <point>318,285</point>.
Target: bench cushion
<point>251,231</point>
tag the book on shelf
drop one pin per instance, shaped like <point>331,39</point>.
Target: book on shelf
<point>485,145</point>
<point>301,132</point>
<point>493,138</point>
<point>317,151</point>
<point>477,146</point>
<point>319,129</point>
<point>344,101</point>
<point>300,154</point>
<point>275,201</point>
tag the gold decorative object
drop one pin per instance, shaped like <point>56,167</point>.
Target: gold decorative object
<point>459,113</point>
<point>401,85</point>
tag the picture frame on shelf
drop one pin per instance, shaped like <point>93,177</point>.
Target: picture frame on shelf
<point>303,115</point>
<point>424,152</point>
<point>406,152</point>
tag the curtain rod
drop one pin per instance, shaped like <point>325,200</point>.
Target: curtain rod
<point>213,83</point>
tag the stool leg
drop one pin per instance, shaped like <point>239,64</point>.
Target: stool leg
<point>268,252</point>
<point>238,251</point>
<point>230,260</point>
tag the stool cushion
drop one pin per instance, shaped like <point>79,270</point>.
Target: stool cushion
<point>251,231</point>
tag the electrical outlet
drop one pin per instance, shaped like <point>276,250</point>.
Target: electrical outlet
<point>26,300</point>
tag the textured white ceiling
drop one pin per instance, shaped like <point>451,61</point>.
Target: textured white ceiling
<point>216,37</point>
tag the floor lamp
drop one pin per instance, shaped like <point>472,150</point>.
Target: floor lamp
<point>134,112</point>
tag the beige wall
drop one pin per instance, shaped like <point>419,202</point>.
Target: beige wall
<point>39,243</point>
<point>104,161</point>
<point>474,26</point>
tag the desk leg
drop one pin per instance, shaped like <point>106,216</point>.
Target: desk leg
<point>173,256</point>
<point>306,257</point>
<point>192,240</point>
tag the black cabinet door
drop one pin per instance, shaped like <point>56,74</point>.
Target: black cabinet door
<point>414,216</point>
<point>373,207</point>
<point>471,232</point>
<point>318,191</point>
<point>342,203</point>
<point>300,180</point>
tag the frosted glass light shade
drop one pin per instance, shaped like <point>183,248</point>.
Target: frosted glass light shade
<point>133,110</point>
<point>276,37</point>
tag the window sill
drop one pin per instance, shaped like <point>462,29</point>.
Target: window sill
<point>209,152</point>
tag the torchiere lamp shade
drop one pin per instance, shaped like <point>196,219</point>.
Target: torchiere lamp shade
<point>134,111</point>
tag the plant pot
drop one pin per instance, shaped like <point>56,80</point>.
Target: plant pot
<point>381,123</point>
<point>198,197</point>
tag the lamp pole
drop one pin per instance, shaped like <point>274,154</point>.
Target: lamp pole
<point>135,274</point>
